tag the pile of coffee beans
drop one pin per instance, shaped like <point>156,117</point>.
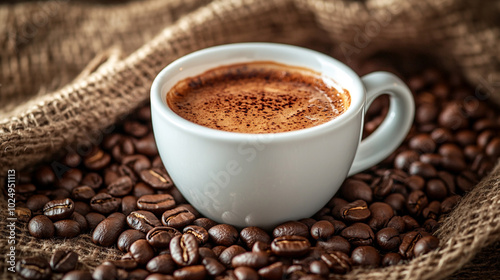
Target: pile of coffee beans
<point>119,192</point>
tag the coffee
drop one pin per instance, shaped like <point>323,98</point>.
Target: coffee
<point>258,97</point>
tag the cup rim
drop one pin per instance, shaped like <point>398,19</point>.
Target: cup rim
<point>159,105</point>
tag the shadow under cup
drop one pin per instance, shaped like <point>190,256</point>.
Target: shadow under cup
<point>257,179</point>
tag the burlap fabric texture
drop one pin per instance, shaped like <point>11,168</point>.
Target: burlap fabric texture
<point>68,70</point>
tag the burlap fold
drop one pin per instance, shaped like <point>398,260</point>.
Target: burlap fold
<point>69,70</point>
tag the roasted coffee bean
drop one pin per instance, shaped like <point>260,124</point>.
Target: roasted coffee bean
<point>290,246</point>
<point>23,214</point>
<point>322,230</point>
<point>77,275</point>
<point>436,189</point>
<point>466,181</point>
<point>250,259</point>
<point>156,178</point>
<point>67,184</point>
<point>74,173</point>
<point>417,201</point>
<point>96,160</point>
<point>261,247</point>
<point>391,259</point>
<point>453,164</point>
<point>129,204</point>
<point>184,249</point>
<point>110,175</point>
<point>93,219</point>
<point>250,235</point>
<point>405,158</point>
<point>493,148</point>
<point>408,244</point>
<point>146,145</point>
<point>82,208</point>
<point>432,211</point>
<point>123,148</point>
<point>178,217</point>
<point>41,227</point>
<point>67,228</point>
<point>319,267</point>
<point>33,268</point>
<point>213,266</point>
<point>358,234</point>
<point>159,276</point>
<point>335,243</point>
<point>432,159</point>
<point>442,135</point>
<point>141,189</point>
<point>141,274</point>
<point>143,220</point>
<point>410,223</point>
<point>156,203</point>
<point>105,203</point>
<point>59,193</point>
<point>422,169</point>
<point>137,162</point>
<point>161,264</point>
<point>223,234</point>
<point>422,143</point>
<point>121,186</point>
<point>388,239</point>
<point>426,113</point>
<point>291,228</point>
<point>45,176</point>
<point>135,128</point>
<point>128,237</point>
<point>195,272</point>
<point>383,186</point>
<point>398,223</point>
<point>229,253</point>
<point>451,117</point>
<point>80,219</point>
<point>425,245</point>
<point>160,237</point>
<point>200,233</point>
<point>36,202</point>
<point>141,251</point>
<point>366,256</point>
<point>449,203</point>
<point>397,201</point>
<point>219,249</point>
<point>245,273</point>
<point>177,195</point>
<point>338,262</point>
<point>59,209</point>
<point>63,260</point>
<point>206,253</point>
<point>127,264</point>
<point>92,180</point>
<point>430,225</point>
<point>82,193</point>
<point>105,272</point>
<point>336,204</point>
<point>381,214</point>
<point>71,159</point>
<point>106,232</point>
<point>355,211</point>
<point>353,190</point>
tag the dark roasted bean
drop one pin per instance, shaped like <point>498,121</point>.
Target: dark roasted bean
<point>127,264</point>
<point>366,255</point>
<point>250,235</point>
<point>353,190</point>
<point>213,266</point>
<point>335,243</point>
<point>404,159</point>
<point>146,145</point>
<point>338,262</point>
<point>358,234</point>
<point>59,209</point>
<point>23,214</point>
<point>63,260</point>
<point>425,245</point>
<point>397,201</point>
<point>92,180</point>
<point>45,176</point>
<point>422,143</point>
<point>137,162</point>
<point>381,214</point>
<point>355,211</point>
<point>430,225</point>
<point>184,249</point>
<point>141,189</point>
<point>291,228</point>
<point>206,253</point>
<point>142,220</point>
<point>432,210</point>
<point>128,237</point>
<point>391,259</point>
<point>121,186</point>
<point>408,244</point>
<point>82,193</point>
<point>67,228</point>
<point>96,160</point>
<point>223,234</point>
<point>436,189</point>
<point>156,203</point>
<point>250,259</point>
<point>195,272</point>
<point>33,268</point>
<point>322,230</point>
<point>105,272</point>
<point>383,186</point>
<point>398,223</point>
<point>449,203</point>
<point>410,223</point>
<point>36,202</point>
<point>141,251</point>
<point>160,237</point>
<point>290,246</point>
<point>200,233</point>
<point>82,208</point>
<point>67,184</point>
<point>422,169</point>
<point>93,219</point>
<point>161,264</point>
<point>80,219</point>
<point>129,204</point>
<point>273,271</point>
<point>104,203</point>
<point>417,201</point>
<point>229,253</point>
<point>106,232</point>
<point>178,217</point>
<point>388,239</point>
<point>156,178</point>
<point>245,273</point>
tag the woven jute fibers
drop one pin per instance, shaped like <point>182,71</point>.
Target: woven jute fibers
<point>68,70</point>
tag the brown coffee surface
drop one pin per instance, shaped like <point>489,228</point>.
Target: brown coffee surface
<point>258,97</point>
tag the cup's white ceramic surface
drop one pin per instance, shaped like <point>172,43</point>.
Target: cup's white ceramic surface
<point>265,179</point>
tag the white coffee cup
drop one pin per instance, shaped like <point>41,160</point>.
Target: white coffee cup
<point>264,179</point>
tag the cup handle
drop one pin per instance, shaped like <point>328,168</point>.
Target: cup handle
<point>393,130</point>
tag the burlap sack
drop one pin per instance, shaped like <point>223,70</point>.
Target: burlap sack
<point>68,70</point>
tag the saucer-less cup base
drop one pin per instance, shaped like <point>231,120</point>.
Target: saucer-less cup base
<point>265,179</point>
